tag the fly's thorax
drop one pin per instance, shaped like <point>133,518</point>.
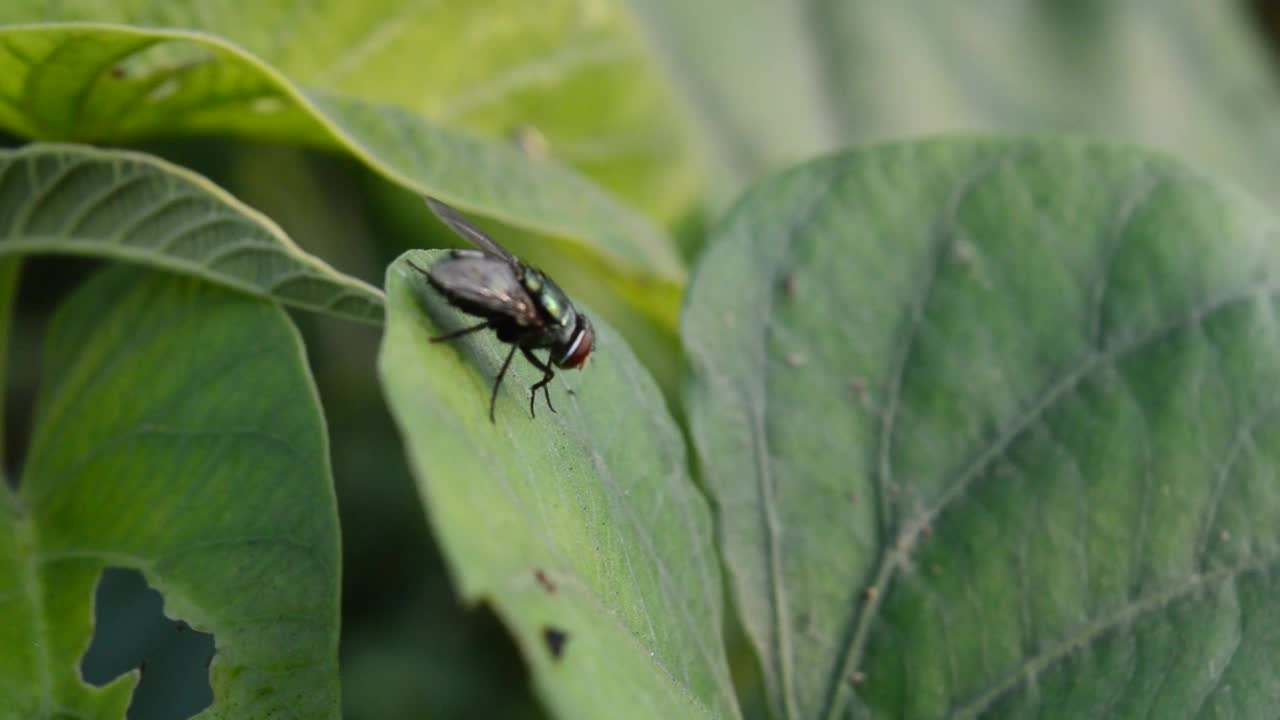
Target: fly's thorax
<point>552,302</point>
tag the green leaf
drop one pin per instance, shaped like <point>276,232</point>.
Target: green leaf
<point>584,522</point>
<point>993,430</point>
<point>9,268</point>
<point>794,79</point>
<point>112,83</point>
<point>567,78</point>
<point>178,433</point>
<point>70,199</point>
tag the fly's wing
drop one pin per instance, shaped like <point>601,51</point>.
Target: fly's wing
<point>483,285</point>
<point>463,227</point>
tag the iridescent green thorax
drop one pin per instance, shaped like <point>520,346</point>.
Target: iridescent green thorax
<point>554,303</point>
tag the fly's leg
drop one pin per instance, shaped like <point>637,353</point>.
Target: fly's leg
<point>498,382</point>
<point>460,333</point>
<point>547,375</point>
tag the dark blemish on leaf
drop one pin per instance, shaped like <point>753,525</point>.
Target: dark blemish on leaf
<point>556,640</point>
<point>795,360</point>
<point>118,72</point>
<point>853,498</point>
<point>544,581</point>
<point>870,593</point>
<point>789,285</point>
<point>181,626</point>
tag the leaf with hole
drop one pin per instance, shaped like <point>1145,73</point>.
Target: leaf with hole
<point>992,429</point>
<point>178,433</point>
<point>68,199</point>
<point>581,528</point>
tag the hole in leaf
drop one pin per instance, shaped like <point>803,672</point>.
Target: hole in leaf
<point>131,631</point>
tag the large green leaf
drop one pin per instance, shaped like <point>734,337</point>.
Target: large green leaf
<point>111,83</point>
<point>178,433</point>
<point>584,522</point>
<point>69,199</point>
<point>784,80</point>
<point>992,427</point>
<point>569,78</point>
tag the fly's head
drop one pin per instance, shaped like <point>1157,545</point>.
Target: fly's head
<point>574,353</point>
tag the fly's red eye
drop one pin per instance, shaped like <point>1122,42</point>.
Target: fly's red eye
<point>580,349</point>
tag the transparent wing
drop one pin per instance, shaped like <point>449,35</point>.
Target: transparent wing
<point>463,227</point>
<point>483,285</point>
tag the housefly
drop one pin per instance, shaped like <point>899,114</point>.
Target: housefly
<point>523,306</point>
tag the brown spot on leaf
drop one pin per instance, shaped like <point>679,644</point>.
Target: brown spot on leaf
<point>544,581</point>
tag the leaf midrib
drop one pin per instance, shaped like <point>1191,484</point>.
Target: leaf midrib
<point>27,545</point>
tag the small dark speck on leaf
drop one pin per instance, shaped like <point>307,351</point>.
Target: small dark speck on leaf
<point>118,72</point>
<point>181,626</point>
<point>544,581</point>
<point>794,360</point>
<point>789,285</point>
<point>870,593</point>
<point>555,639</point>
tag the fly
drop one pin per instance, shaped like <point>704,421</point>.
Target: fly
<point>524,307</point>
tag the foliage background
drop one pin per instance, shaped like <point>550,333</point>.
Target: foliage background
<point>780,83</point>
